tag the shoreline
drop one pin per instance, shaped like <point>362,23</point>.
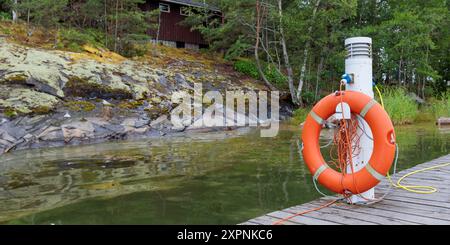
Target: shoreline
<point>54,131</point>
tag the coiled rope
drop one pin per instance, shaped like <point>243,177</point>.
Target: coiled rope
<point>418,189</point>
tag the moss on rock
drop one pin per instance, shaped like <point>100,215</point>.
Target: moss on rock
<point>21,101</point>
<point>81,87</point>
<point>42,110</point>
<point>80,106</point>
<point>131,104</point>
<point>9,112</point>
<point>15,79</point>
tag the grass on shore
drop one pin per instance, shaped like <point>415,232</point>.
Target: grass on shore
<point>401,108</point>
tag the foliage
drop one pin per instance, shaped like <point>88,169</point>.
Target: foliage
<point>237,49</point>
<point>4,16</point>
<point>248,67</point>
<point>441,107</point>
<point>401,108</point>
<point>274,76</point>
<point>299,115</point>
<point>48,13</point>
<point>410,37</point>
<point>74,39</point>
<point>119,25</point>
<point>308,97</point>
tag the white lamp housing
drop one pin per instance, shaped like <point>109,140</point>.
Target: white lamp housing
<point>358,64</point>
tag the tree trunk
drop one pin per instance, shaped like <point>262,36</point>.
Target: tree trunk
<point>29,29</point>
<point>290,74</point>
<point>305,56</point>
<point>258,31</point>
<point>106,23</point>
<point>159,27</point>
<point>319,70</point>
<point>14,11</point>
<point>117,26</point>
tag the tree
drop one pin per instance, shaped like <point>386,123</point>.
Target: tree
<point>14,11</point>
<point>42,12</point>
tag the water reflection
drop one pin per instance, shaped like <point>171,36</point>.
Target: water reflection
<point>218,178</point>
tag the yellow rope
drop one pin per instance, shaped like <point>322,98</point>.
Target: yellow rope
<point>419,189</point>
<point>379,95</point>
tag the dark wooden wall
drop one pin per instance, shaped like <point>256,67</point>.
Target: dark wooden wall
<point>171,29</point>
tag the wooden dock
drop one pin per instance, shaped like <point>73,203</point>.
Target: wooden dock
<point>400,207</point>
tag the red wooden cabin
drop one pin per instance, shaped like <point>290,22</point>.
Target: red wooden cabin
<point>173,12</point>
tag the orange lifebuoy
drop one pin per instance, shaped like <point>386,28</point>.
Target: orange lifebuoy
<point>383,149</point>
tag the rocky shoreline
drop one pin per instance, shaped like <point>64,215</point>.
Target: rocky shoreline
<point>55,131</point>
<point>51,98</point>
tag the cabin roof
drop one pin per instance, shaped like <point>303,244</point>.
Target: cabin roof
<point>193,3</point>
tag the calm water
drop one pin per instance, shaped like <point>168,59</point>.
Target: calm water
<point>222,178</point>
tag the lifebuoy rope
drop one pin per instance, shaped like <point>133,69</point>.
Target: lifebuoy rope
<point>411,188</point>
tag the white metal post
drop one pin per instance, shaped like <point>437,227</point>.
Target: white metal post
<point>358,65</point>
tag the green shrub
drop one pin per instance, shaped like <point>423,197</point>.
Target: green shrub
<point>5,16</point>
<point>134,50</point>
<point>74,39</point>
<point>237,49</point>
<point>299,115</point>
<point>274,76</point>
<point>440,107</point>
<point>247,67</point>
<point>308,97</point>
<point>424,115</point>
<point>401,108</point>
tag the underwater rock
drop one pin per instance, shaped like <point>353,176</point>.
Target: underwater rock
<point>51,134</point>
<point>141,123</point>
<point>78,130</point>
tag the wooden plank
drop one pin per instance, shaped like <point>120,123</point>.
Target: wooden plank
<point>384,189</point>
<point>439,195</point>
<point>443,199</point>
<point>440,184</point>
<point>301,219</point>
<point>267,220</point>
<point>331,215</point>
<point>438,167</point>
<point>394,215</point>
<point>365,216</point>
<point>249,223</point>
<point>436,174</point>
<point>433,176</point>
<point>413,211</point>
<point>399,207</point>
<point>440,188</point>
<point>416,206</point>
<point>436,197</point>
<point>417,201</point>
<point>375,218</point>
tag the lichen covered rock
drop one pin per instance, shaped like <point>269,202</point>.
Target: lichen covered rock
<point>26,101</point>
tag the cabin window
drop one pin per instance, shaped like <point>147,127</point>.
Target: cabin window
<point>181,45</point>
<point>185,11</point>
<point>164,7</point>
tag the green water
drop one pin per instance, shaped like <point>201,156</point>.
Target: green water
<point>222,178</point>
